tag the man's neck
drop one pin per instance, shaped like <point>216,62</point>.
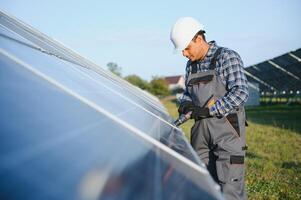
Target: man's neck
<point>204,50</point>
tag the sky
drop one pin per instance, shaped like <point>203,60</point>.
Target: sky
<point>135,34</point>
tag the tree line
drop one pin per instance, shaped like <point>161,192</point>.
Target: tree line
<point>157,86</point>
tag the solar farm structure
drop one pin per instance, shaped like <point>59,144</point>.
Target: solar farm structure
<point>71,130</point>
<point>278,79</point>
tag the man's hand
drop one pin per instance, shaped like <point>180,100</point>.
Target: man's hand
<point>200,113</point>
<point>185,107</point>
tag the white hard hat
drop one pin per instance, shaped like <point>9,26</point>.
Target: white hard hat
<point>183,32</point>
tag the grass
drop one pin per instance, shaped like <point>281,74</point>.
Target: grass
<point>274,156</point>
<point>282,116</point>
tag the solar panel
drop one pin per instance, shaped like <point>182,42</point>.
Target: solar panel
<point>297,53</point>
<point>289,63</point>
<point>70,131</point>
<point>283,73</point>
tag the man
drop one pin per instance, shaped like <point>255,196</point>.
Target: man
<point>216,89</point>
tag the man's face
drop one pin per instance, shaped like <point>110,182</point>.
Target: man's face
<point>193,51</point>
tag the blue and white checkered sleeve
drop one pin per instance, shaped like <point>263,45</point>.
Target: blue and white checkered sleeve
<point>236,82</point>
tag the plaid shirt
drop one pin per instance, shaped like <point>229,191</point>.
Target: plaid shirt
<point>231,72</point>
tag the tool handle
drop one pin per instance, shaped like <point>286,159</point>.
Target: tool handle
<point>182,118</point>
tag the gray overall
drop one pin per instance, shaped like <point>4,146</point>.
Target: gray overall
<point>219,141</point>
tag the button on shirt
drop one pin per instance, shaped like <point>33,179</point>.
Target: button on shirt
<point>230,69</point>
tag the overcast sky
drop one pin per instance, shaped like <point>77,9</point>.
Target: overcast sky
<point>135,34</point>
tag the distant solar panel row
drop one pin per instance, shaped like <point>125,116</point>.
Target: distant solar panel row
<point>280,74</point>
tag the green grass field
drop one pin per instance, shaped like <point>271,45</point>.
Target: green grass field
<point>274,155</point>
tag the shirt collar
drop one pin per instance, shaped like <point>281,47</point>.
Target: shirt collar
<point>212,48</point>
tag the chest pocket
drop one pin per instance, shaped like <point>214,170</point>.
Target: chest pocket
<point>203,79</point>
<point>201,86</point>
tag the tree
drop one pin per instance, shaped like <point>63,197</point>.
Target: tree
<point>114,68</point>
<point>159,87</point>
<point>136,80</point>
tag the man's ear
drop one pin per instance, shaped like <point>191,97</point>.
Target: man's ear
<point>199,39</point>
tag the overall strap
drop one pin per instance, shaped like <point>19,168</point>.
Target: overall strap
<point>194,67</point>
<point>213,60</point>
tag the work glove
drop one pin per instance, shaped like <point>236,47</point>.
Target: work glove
<point>200,113</point>
<point>185,107</point>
